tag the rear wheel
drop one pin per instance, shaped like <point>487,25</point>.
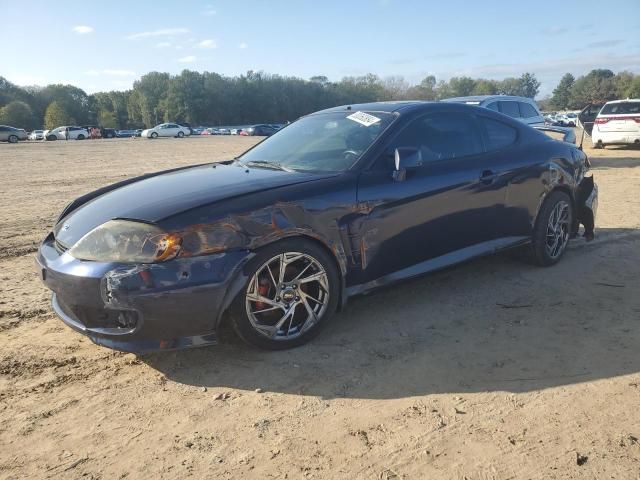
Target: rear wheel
<point>13,139</point>
<point>553,229</point>
<point>292,292</point>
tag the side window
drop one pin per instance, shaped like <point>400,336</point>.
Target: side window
<point>510,108</point>
<point>499,135</point>
<point>439,136</point>
<point>527,111</point>
<point>493,106</point>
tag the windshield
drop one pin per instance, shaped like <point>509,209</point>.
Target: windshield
<point>327,142</point>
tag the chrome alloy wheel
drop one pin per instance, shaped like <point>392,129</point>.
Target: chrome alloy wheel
<point>558,230</point>
<point>287,295</point>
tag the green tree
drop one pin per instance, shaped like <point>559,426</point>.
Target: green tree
<point>425,90</point>
<point>17,114</point>
<point>598,86</point>
<point>56,116</point>
<point>561,97</point>
<point>107,119</point>
<point>634,88</point>
<point>485,87</point>
<point>461,86</point>
<point>529,85</point>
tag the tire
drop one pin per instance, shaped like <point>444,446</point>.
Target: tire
<point>180,134</point>
<point>154,135</point>
<point>312,303</point>
<point>80,137</point>
<point>552,230</point>
<point>13,139</point>
<point>51,138</point>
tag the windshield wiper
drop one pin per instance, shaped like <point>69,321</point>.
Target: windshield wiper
<point>265,164</point>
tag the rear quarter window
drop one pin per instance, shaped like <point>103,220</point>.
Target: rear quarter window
<point>527,110</point>
<point>620,108</point>
<point>510,108</point>
<point>499,135</point>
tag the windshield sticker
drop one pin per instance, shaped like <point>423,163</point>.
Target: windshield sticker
<point>363,118</point>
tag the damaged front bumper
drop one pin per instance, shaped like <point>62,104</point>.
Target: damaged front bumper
<point>146,307</point>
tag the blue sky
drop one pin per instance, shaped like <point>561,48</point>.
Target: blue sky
<point>109,47</point>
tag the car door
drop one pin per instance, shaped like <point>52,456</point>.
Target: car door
<point>172,130</point>
<point>588,116</point>
<point>447,205</point>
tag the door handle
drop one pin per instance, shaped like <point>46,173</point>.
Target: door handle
<point>488,176</point>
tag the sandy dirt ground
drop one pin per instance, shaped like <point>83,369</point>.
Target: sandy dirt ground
<point>490,370</point>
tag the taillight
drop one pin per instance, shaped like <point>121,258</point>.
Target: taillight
<point>602,120</point>
<point>636,119</point>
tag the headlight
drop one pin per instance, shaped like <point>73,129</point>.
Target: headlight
<point>128,242</point>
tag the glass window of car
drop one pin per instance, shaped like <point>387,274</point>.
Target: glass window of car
<point>438,136</point>
<point>493,106</point>
<point>326,142</point>
<point>510,108</point>
<point>3,128</point>
<point>621,108</point>
<point>499,135</point>
<point>527,110</point>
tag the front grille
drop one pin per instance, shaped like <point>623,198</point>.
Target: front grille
<point>60,248</point>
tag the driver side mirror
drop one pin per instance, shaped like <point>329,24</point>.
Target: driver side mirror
<point>406,158</point>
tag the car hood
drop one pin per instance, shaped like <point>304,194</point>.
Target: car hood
<point>158,197</point>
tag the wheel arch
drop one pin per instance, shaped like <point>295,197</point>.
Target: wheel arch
<point>556,188</point>
<point>239,279</point>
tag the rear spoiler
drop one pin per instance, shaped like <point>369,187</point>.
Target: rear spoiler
<point>568,133</point>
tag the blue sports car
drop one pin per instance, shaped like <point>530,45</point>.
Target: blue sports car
<point>336,204</point>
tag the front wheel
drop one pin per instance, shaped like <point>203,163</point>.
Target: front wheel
<point>292,292</point>
<point>154,135</point>
<point>80,137</point>
<point>13,139</point>
<point>553,229</point>
<point>180,134</point>
<point>51,138</point>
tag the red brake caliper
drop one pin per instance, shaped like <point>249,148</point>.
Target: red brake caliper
<point>263,291</point>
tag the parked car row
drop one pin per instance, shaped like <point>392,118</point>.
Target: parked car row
<point>561,119</point>
<point>179,130</point>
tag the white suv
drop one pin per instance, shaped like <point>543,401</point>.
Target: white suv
<point>521,108</point>
<point>618,123</point>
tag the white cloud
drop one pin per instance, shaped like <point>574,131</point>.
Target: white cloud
<point>243,45</point>
<point>82,29</point>
<point>187,59</point>
<point>163,32</point>
<point>163,44</point>
<point>110,72</point>
<point>207,44</point>
<point>209,11</point>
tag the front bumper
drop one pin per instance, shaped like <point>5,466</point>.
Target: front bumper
<point>144,307</point>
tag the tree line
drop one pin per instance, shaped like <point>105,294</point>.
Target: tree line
<point>208,98</point>
<point>598,86</point>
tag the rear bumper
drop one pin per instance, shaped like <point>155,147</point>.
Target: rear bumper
<point>140,308</point>
<point>615,138</point>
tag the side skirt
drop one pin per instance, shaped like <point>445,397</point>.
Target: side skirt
<point>438,263</point>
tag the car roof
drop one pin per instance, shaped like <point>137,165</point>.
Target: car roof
<point>482,98</point>
<point>625,100</point>
<point>390,107</point>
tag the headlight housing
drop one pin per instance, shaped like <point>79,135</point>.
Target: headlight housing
<point>126,241</point>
